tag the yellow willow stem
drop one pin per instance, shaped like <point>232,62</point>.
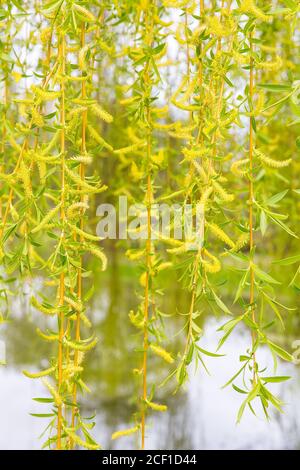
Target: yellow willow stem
<point>198,255</point>
<point>200,81</point>
<point>187,52</point>
<point>149,37</point>
<point>62,56</point>
<point>221,86</point>
<point>214,139</point>
<point>79,273</point>
<point>192,304</point>
<point>251,197</point>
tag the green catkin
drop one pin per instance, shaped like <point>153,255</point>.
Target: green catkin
<point>38,375</point>
<point>47,150</point>
<point>48,217</point>
<point>270,161</point>
<point>99,140</point>
<point>42,308</point>
<point>130,149</point>
<point>82,233</point>
<point>13,143</point>
<point>81,346</point>
<point>47,337</point>
<point>88,16</point>
<point>81,182</point>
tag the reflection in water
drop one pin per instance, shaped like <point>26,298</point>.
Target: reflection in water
<point>201,417</point>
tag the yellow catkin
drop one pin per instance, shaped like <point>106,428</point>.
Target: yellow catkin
<point>13,143</point>
<point>80,442</point>
<point>101,113</point>
<point>77,110</point>
<point>94,250</point>
<point>178,250</point>
<point>135,173</point>
<point>82,57</point>
<point>216,28</point>
<point>45,35</point>
<point>163,266</point>
<point>45,95</point>
<point>219,233</point>
<point>57,398</point>
<point>270,65</point>
<point>76,209</point>
<point>73,303</point>
<point>124,432</point>
<point>206,195</point>
<point>130,148</point>
<point>239,168</point>
<point>196,152</point>
<point>249,7</point>
<point>221,192</point>
<point>134,254</point>
<point>88,16</point>
<point>136,320</point>
<point>242,241</point>
<point>159,351</point>
<point>270,161</point>
<point>37,118</point>
<point>213,265</point>
<point>156,406</point>
<point>25,177</point>
<point>85,159</point>
<point>42,167</point>
<point>71,370</point>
